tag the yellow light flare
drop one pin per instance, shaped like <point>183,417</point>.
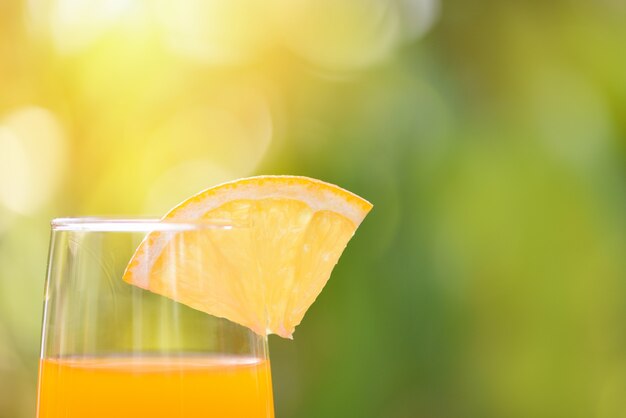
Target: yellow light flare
<point>14,172</point>
<point>32,158</point>
<point>183,180</point>
<point>215,31</point>
<point>233,129</point>
<point>75,25</point>
<point>219,135</point>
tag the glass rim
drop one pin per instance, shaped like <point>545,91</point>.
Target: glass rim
<point>139,224</point>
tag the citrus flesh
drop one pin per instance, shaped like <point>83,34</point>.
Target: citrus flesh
<point>264,271</point>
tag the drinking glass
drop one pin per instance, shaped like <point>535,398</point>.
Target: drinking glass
<point>112,349</point>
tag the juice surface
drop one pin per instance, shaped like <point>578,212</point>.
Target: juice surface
<point>179,387</point>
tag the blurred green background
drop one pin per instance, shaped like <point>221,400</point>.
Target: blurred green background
<point>490,279</point>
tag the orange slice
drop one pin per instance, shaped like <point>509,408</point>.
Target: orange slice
<point>263,275</point>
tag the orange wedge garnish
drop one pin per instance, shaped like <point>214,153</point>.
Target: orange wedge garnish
<point>267,270</point>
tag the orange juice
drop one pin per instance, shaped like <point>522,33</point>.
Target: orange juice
<point>155,387</point>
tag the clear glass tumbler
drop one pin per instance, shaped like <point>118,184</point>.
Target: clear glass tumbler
<point>111,349</point>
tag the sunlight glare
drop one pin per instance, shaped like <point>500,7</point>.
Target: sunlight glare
<point>215,31</point>
<point>76,24</point>
<point>183,180</point>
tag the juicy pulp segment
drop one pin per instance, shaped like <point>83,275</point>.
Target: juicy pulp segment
<point>264,276</point>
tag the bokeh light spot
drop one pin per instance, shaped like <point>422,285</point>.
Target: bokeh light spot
<point>215,31</point>
<point>32,158</point>
<point>418,16</point>
<point>572,117</point>
<point>14,180</point>
<point>225,138</point>
<point>338,34</point>
<point>74,24</point>
<point>181,181</point>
